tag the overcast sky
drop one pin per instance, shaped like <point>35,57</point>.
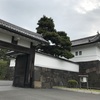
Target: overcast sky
<point>78,18</point>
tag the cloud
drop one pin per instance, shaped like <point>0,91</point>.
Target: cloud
<point>85,6</point>
<point>78,18</point>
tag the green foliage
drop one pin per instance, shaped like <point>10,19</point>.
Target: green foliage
<point>72,83</point>
<point>3,54</point>
<point>3,68</point>
<point>45,25</point>
<point>60,44</point>
<point>4,62</point>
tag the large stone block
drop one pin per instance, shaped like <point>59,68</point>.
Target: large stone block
<point>37,84</point>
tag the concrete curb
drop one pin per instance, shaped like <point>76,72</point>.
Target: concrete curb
<point>77,90</point>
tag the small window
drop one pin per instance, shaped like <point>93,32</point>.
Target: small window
<point>14,41</point>
<point>76,53</point>
<point>80,52</point>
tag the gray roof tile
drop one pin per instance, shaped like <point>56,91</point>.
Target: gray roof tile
<point>22,31</point>
<point>86,40</point>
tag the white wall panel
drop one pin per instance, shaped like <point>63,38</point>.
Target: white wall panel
<point>12,62</point>
<point>89,53</point>
<point>5,37</point>
<point>98,53</point>
<point>24,43</point>
<point>54,63</point>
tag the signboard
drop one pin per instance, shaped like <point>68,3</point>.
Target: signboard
<point>83,79</point>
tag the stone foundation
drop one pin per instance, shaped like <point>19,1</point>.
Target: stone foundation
<point>92,69</point>
<point>37,84</point>
<point>46,78</point>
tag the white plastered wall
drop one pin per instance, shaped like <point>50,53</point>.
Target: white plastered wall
<point>98,52</point>
<point>5,37</point>
<point>24,43</point>
<point>55,63</point>
<point>89,53</point>
<point>12,62</point>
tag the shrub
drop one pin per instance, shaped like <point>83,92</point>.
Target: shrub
<point>72,83</point>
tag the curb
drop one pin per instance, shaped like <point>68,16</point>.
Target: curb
<point>81,91</point>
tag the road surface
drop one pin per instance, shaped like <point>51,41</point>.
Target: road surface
<point>8,92</point>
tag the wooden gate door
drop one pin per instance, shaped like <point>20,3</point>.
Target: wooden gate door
<point>21,69</point>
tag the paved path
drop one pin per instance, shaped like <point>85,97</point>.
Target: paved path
<point>13,93</point>
<point>5,83</point>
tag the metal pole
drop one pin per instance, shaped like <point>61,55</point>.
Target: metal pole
<point>87,84</point>
<point>80,82</point>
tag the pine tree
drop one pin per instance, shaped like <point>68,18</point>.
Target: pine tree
<point>60,44</point>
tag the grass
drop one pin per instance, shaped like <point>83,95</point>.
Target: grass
<point>86,89</point>
<point>92,90</point>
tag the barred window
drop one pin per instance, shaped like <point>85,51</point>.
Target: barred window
<point>80,52</point>
<point>76,53</point>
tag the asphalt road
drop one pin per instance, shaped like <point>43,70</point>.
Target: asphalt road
<point>12,93</point>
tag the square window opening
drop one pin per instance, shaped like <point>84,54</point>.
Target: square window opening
<point>80,52</point>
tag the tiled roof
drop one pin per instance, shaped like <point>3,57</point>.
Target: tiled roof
<point>86,40</point>
<point>21,31</point>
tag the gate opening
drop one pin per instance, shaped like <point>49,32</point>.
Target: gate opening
<point>23,41</point>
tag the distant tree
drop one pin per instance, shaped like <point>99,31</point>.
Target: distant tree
<point>3,54</point>
<point>4,63</point>
<point>60,44</point>
<point>3,68</point>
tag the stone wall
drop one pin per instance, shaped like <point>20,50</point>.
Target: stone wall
<point>46,78</point>
<point>92,69</point>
